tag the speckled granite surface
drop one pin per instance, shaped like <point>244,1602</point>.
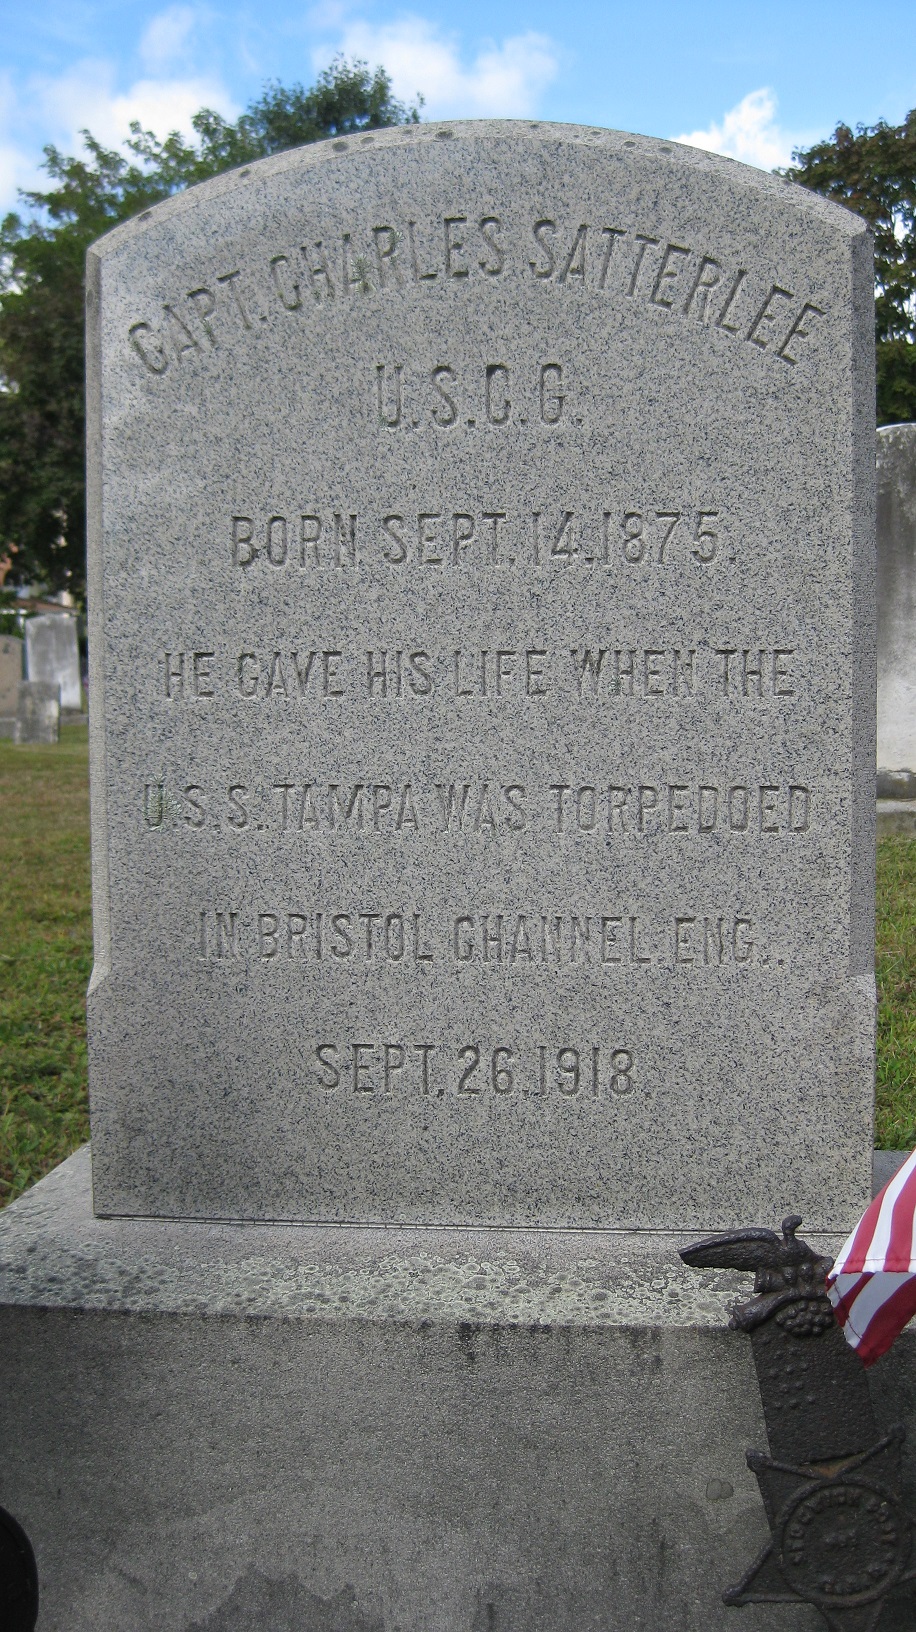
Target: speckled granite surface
<point>55,1254</point>
<point>483,689</point>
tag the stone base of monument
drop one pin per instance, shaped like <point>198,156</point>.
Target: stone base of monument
<point>217,1428</point>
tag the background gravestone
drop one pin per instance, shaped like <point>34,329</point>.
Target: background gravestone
<point>897,602</point>
<point>37,712</point>
<point>10,673</point>
<point>484,794</point>
<point>52,654</point>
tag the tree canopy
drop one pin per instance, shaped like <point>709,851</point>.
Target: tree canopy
<point>873,171</point>
<point>42,257</point>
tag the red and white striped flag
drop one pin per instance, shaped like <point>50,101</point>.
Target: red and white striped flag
<point>872,1285</point>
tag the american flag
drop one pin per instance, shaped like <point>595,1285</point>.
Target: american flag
<point>872,1285</point>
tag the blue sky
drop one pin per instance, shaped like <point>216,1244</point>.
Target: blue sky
<point>749,80</point>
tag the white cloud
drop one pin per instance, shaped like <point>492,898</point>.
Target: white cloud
<point>326,14</point>
<point>87,97</point>
<point>18,168</point>
<point>167,37</point>
<point>502,80</point>
<point>750,132</point>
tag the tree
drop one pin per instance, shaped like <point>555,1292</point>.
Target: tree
<point>873,171</point>
<point>42,424</point>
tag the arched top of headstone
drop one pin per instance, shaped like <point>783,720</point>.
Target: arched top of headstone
<point>448,144</point>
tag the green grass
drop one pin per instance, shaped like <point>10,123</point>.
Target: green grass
<point>46,958</point>
<point>896,970</point>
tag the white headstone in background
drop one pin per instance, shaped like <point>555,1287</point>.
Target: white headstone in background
<point>10,674</point>
<point>37,713</point>
<point>897,600</point>
<point>482,553</point>
<point>52,654</point>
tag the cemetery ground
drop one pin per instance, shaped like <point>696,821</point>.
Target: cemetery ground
<point>45,955</point>
<point>46,959</point>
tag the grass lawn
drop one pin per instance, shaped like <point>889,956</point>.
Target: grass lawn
<point>896,969</point>
<point>46,958</point>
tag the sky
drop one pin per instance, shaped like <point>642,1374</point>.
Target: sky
<point>749,80</point>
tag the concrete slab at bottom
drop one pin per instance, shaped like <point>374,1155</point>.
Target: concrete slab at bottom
<point>269,1429</point>
<point>7,726</point>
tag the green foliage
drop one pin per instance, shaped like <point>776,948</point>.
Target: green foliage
<point>344,99</point>
<point>9,623</point>
<point>873,171</point>
<point>42,491</point>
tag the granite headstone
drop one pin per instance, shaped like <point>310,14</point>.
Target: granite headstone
<point>481,566</point>
<point>52,654</point>
<point>897,609</point>
<point>37,712</point>
<point>10,673</point>
<point>372,921</point>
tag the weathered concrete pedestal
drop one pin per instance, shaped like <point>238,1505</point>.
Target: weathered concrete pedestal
<point>308,1429</point>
